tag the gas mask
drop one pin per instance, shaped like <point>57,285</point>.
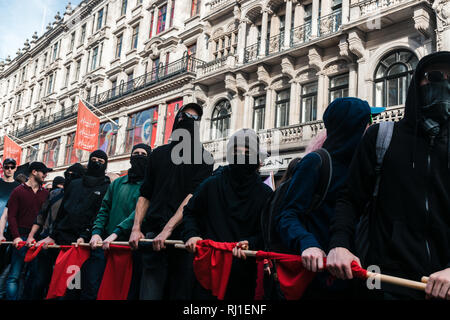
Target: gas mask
<point>436,106</point>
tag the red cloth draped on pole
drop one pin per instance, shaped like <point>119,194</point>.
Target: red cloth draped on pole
<point>88,127</point>
<point>33,252</point>
<point>117,276</point>
<point>293,277</point>
<point>68,258</point>
<point>212,265</point>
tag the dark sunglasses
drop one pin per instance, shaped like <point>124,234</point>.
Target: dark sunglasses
<point>9,167</point>
<point>192,116</point>
<point>436,76</point>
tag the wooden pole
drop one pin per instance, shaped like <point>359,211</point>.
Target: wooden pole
<point>179,245</point>
<point>398,281</point>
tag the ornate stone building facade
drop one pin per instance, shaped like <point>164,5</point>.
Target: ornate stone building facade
<point>272,65</point>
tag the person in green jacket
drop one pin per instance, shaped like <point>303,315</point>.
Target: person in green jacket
<point>119,202</point>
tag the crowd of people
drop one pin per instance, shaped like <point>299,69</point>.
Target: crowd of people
<point>377,194</point>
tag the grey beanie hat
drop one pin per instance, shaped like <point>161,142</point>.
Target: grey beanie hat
<point>246,138</point>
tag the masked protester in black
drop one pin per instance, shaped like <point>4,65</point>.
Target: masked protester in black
<point>226,208</point>
<point>409,232</point>
<point>118,203</point>
<point>173,173</point>
<point>79,207</point>
<point>41,267</point>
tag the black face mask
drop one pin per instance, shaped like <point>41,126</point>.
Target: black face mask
<point>436,105</point>
<point>138,166</point>
<point>69,177</point>
<point>96,169</point>
<point>243,166</point>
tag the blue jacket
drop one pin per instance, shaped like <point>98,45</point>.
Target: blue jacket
<point>346,120</point>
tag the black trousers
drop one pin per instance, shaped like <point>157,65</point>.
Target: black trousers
<point>166,275</point>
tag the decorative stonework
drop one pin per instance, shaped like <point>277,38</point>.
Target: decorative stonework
<point>306,75</point>
<point>263,74</point>
<point>315,57</point>
<point>287,66</point>
<point>442,11</point>
<point>423,21</point>
<point>356,41</point>
<point>336,67</point>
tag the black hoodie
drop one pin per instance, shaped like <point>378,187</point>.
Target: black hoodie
<point>167,184</point>
<point>79,208</point>
<point>410,230</point>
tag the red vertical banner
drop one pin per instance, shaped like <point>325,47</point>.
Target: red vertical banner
<point>12,150</point>
<point>172,110</point>
<point>1,171</point>
<point>88,127</point>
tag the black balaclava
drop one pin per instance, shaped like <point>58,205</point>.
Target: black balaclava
<point>435,107</point>
<point>96,169</point>
<point>244,165</point>
<point>138,163</point>
<point>57,181</point>
<point>77,172</point>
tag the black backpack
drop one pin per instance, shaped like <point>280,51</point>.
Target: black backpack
<point>272,241</point>
<point>362,243</point>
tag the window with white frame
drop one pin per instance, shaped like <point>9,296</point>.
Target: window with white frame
<point>338,87</point>
<point>309,102</point>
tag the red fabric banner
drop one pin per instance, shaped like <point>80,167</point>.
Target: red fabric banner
<point>12,150</point>
<point>117,276</point>
<point>88,127</point>
<point>68,258</point>
<point>293,277</point>
<point>212,265</point>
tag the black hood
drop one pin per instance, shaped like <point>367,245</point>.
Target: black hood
<point>413,102</point>
<point>413,99</point>
<point>346,120</point>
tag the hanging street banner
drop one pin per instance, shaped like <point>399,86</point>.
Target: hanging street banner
<point>88,126</point>
<point>11,150</point>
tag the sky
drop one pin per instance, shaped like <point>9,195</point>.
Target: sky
<point>19,19</point>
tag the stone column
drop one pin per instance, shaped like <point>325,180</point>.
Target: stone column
<point>345,11</point>
<point>155,21</point>
<point>248,116</point>
<point>242,40</point>
<point>62,151</point>
<point>299,15</point>
<point>294,108</point>
<point>288,23</point>
<point>321,102</point>
<point>270,110</point>
<point>40,156</point>
<point>122,134</point>
<point>160,129</point>
<point>168,14</point>
<point>352,80</point>
<point>262,45</point>
<point>315,18</point>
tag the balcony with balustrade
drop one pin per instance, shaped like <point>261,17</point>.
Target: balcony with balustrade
<point>186,67</point>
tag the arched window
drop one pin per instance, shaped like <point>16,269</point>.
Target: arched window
<point>220,121</point>
<point>392,77</point>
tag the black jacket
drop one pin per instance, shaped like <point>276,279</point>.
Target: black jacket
<point>410,230</point>
<point>79,208</point>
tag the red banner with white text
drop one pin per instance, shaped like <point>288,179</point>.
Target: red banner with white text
<point>12,150</point>
<point>88,126</point>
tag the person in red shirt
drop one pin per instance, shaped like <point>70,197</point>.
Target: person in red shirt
<point>23,206</point>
